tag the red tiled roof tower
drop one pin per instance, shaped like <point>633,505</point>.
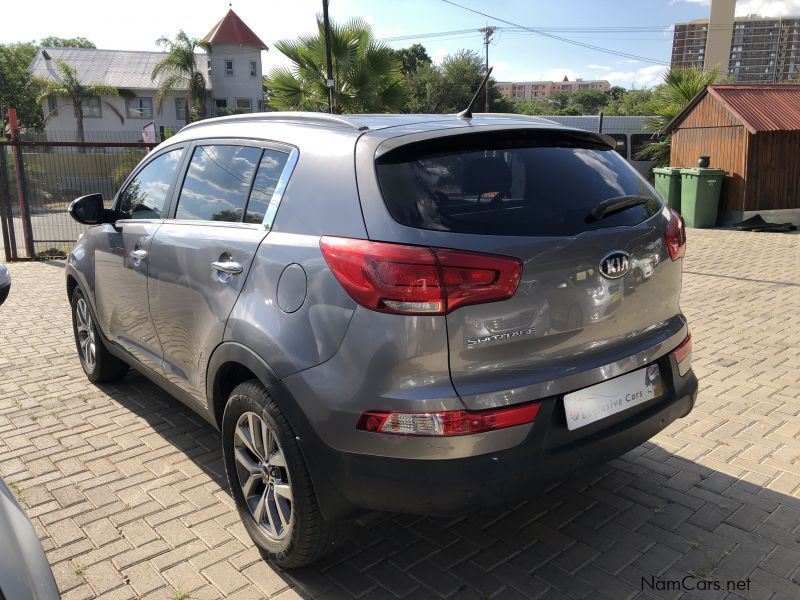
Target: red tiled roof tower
<point>232,30</point>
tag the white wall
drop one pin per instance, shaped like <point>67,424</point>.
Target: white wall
<point>241,84</point>
<point>108,125</point>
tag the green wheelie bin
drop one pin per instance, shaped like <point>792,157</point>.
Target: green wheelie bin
<point>668,185</point>
<point>700,192</point>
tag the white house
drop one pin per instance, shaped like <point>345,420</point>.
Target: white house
<point>233,80</point>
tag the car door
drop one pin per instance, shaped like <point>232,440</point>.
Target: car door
<point>121,257</point>
<point>199,259</point>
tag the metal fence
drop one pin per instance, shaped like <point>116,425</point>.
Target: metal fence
<point>40,177</point>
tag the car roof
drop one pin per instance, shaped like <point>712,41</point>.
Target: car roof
<point>299,128</point>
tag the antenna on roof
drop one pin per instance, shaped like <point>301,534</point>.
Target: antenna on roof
<point>467,112</point>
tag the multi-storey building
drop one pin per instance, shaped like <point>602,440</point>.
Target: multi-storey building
<point>535,90</point>
<point>747,49</point>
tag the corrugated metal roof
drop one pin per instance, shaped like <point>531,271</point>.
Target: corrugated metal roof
<point>760,107</point>
<point>232,30</point>
<point>126,69</point>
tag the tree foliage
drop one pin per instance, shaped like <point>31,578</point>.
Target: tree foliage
<point>17,88</point>
<point>629,103</point>
<point>367,74</point>
<point>449,87</point>
<point>179,71</point>
<point>57,42</point>
<point>412,58</point>
<point>680,86</point>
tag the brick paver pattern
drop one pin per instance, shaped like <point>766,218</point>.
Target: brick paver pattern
<point>126,489</point>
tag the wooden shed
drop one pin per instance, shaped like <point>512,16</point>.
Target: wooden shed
<point>753,132</point>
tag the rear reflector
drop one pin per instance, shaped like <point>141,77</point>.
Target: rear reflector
<point>675,236</point>
<point>416,280</point>
<point>454,422</point>
<point>683,355</point>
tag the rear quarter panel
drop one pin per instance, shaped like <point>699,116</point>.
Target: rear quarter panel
<point>320,199</point>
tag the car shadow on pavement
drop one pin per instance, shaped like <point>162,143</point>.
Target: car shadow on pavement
<point>650,524</point>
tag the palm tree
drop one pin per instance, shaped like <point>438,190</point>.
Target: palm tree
<point>71,88</point>
<point>680,86</point>
<point>179,68</point>
<point>367,74</point>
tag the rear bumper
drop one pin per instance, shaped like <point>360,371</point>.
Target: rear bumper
<point>347,481</point>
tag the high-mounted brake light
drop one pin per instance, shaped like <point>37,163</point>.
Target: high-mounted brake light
<point>415,280</point>
<point>683,355</point>
<point>675,236</point>
<point>454,422</point>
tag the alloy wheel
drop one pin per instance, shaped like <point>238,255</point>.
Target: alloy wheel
<point>263,476</point>
<point>86,335</point>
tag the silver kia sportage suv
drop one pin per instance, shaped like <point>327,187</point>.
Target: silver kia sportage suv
<point>417,313</point>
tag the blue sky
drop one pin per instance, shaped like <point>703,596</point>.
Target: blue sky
<point>515,56</point>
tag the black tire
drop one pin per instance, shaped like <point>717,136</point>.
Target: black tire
<point>309,536</point>
<point>106,366</point>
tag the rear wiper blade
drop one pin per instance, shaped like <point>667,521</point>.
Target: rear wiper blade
<point>614,205</point>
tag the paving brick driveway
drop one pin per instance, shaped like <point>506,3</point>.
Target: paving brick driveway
<point>126,489</point>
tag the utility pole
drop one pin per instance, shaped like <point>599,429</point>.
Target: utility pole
<point>329,81</point>
<point>487,32</point>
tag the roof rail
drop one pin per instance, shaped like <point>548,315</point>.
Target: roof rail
<point>286,117</point>
<point>516,116</point>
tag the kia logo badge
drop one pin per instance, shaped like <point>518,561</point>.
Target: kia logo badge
<point>615,264</point>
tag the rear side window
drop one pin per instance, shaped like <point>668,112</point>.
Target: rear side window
<point>516,183</point>
<point>269,173</point>
<point>217,183</point>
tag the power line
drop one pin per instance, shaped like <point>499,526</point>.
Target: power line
<point>560,38</point>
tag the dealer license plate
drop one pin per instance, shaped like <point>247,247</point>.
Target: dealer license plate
<point>611,397</point>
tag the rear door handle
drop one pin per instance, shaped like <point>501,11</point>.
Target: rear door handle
<point>228,266</point>
<point>137,256</point>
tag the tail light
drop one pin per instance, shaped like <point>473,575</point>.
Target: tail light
<point>683,355</point>
<point>454,422</point>
<point>675,236</point>
<point>415,280</point>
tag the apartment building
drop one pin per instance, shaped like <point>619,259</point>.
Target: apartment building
<point>536,90</point>
<point>747,49</point>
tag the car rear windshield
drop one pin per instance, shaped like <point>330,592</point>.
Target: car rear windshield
<point>510,183</point>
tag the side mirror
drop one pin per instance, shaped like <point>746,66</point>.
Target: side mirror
<point>90,210</point>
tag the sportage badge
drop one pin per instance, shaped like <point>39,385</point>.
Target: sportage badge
<point>615,264</point>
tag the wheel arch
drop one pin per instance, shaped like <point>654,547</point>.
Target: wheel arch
<point>233,363</point>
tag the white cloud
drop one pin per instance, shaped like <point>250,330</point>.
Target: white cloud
<point>558,74</point>
<point>762,8</point>
<point>500,68</point>
<point>438,55</point>
<point>642,78</point>
<point>599,67</point>
<point>768,8</point>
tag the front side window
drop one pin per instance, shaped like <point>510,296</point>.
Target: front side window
<point>145,196</point>
<point>518,183</point>
<point>244,104</point>
<point>217,183</point>
<point>91,107</point>
<point>180,109</point>
<point>52,104</point>
<point>269,173</point>
<point>228,67</point>
<point>140,108</point>
<point>253,69</point>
